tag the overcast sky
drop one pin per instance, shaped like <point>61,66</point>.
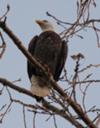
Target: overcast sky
<point>21,19</point>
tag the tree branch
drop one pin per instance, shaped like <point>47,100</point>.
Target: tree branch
<point>47,105</point>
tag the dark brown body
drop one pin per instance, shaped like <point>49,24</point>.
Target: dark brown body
<point>50,50</point>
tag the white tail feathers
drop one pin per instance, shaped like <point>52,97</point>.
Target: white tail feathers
<point>38,90</point>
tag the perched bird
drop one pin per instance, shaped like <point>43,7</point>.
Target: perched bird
<point>51,51</point>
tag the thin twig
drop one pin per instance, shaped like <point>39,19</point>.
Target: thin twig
<point>86,81</point>
<point>24,117</point>
<point>3,46</point>
<point>4,114</point>
<point>5,14</point>
<point>34,117</point>
<point>84,95</point>
<point>55,124</point>
<point>89,66</point>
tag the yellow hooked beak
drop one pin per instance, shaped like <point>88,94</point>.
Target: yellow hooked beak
<point>40,22</point>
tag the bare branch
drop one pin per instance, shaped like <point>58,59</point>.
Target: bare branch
<point>3,114</point>
<point>89,66</point>
<point>82,21</point>
<point>44,102</point>
<point>5,14</point>
<point>86,81</point>
<point>55,124</point>
<point>34,120</point>
<point>24,117</point>
<point>3,46</point>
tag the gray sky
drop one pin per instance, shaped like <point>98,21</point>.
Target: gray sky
<point>21,19</point>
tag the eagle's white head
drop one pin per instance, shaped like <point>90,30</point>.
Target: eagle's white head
<point>45,25</point>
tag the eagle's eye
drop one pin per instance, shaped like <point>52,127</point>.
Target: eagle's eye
<point>45,21</point>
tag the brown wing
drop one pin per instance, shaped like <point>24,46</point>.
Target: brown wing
<point>31,49</point>
<point>61,60</point>
<point>32,44</point>
<point>50,50</point>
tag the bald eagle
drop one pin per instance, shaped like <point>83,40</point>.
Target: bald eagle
<point>49,49</point>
